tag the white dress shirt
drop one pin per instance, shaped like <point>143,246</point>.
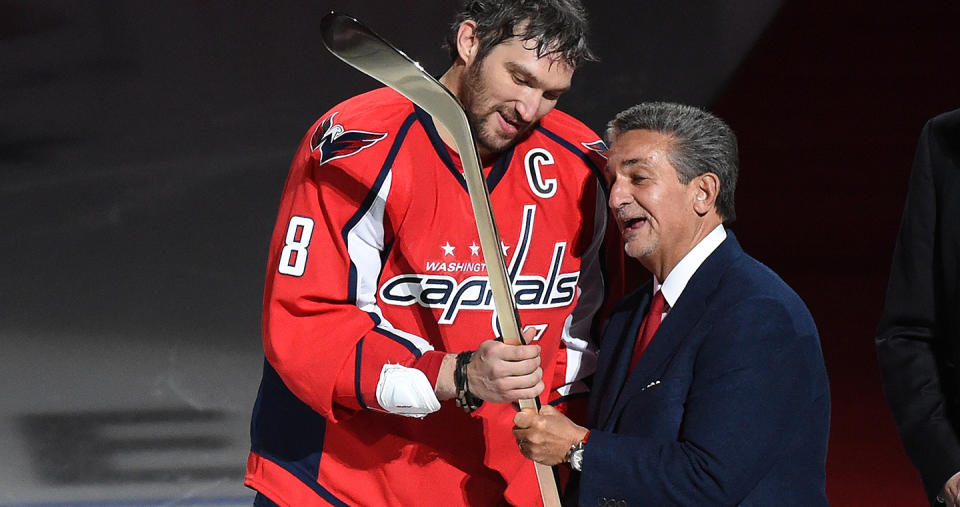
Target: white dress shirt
<point>678,277</point>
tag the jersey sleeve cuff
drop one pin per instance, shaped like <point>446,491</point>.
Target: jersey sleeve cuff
<point>374,378</point>
<point>429,363</point>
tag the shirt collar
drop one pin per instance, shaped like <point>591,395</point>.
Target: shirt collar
<point>678,277</point>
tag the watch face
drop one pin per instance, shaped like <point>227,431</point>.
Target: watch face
<point>576,459</point>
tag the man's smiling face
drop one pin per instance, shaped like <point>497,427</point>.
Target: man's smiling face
<point>507,92</point>
<point>654,210</point>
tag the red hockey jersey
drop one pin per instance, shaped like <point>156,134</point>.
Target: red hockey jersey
<point>375,271</point>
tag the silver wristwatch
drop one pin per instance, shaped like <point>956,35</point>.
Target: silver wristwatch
<point>575,456</point>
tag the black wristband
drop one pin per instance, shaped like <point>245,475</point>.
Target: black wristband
<point>465,399</point>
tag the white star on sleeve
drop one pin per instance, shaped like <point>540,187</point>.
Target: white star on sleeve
<point>447,248</point>
<point>474,248</point>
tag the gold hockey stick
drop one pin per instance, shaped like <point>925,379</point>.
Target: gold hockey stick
<point>369,53</point>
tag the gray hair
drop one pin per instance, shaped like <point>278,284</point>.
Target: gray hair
<point>700,143</point>
<point>556,26</point>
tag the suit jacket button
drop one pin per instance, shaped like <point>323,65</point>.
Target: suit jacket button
<point>602,501</point>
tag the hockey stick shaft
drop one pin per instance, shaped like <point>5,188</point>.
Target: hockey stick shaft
<point>361,48</point>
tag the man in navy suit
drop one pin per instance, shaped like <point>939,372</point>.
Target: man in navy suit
<point>711,387</point>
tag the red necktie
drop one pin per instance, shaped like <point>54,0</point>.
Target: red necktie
<point>649,326</point>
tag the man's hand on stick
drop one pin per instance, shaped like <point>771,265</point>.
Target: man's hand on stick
<point>497,372</point>
<point>502,373</point>
<point>546,437</point>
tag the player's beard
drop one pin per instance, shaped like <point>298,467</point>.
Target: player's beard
<point>481,111</point>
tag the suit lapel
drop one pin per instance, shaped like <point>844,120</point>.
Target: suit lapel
<point>666,342</point>
<point>618,342</point>
<point>678,324</point>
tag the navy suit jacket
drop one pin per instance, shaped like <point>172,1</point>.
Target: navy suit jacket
<point>729,405</point>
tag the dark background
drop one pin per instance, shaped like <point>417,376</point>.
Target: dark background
<point>143,147</point>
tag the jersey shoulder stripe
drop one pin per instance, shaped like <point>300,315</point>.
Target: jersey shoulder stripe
<point>576,137</point>
<point>572,148</point>
<point>371,198</point>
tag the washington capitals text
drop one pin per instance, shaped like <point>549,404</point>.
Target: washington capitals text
<point>473,293</point>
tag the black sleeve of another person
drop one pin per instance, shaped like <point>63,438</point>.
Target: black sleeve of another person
<point>918,336</point>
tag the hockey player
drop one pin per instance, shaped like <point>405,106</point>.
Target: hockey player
<point>378,321</point>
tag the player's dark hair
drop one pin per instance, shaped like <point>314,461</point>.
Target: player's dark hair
<point>700,143</point>
<point>557,27</point>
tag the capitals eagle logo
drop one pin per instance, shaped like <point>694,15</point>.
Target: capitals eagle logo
<point>334,142</point>
<point>599,147</point>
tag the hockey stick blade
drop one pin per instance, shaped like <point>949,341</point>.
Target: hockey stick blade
<point>361,48</point>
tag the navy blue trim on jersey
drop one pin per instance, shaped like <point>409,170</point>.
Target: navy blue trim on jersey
<point>286,431</point>
<point>499,169</point>
<point>357,368</point>
<point>384,254</point>
<point>311,482</point>
<point>496,173</point>
<point>395,337</point>
<point>426,121</point>
<point>576,151</point>
<point>262,500</point>
<point>371,198</point>
<point>602,184</point>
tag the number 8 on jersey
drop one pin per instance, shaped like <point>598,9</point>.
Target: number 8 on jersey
<point>293,258</point>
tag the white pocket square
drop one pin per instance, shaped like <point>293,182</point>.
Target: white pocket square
<point>651,384</point>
